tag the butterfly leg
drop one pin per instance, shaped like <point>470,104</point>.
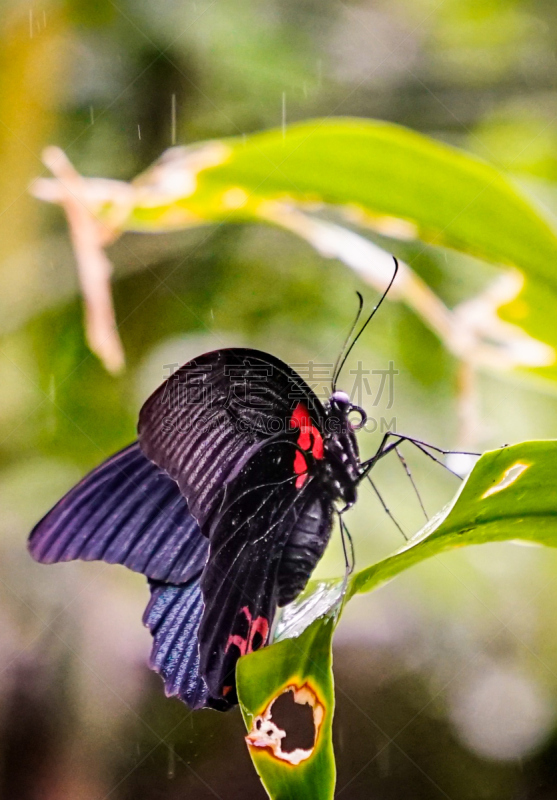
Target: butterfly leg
<point>384,448</point>
<point>347,547</point>
<point>411,479</point>
<point>387,446</point>
<point>421,446</point>
<point>385,508</point>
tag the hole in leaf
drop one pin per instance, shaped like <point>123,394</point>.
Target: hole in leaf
<point>290,724</point>
<point>296,720</point>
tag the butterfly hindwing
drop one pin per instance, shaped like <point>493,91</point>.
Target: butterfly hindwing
<point>173,616</point>
<point>126,511</point>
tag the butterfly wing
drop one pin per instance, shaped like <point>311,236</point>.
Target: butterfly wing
<point>262,514</point>
<point>126,511</point>
<point>210,417</point>
<point>233,428</point>
<point>229,432</point>
<point>173,617</point>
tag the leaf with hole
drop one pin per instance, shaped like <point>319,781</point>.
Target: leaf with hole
<point>287,701</point>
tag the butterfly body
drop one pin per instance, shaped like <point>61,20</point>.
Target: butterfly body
<point>226,503</point>
<point>343,461</point>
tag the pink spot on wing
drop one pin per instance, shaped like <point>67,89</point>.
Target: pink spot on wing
<point>259,625</point>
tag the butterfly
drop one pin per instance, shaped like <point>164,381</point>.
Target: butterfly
<point>226,503</point>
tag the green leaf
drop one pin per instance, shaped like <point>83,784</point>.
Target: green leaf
<point>511,494</point>
<point>442,195</point>
<point>293,669</point>
<point>452,197</point>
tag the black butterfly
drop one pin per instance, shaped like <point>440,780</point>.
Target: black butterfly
<point>225,503</point>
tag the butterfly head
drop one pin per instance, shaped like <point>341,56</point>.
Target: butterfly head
<point>342,406</point>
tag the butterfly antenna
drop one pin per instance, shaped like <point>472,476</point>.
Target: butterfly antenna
<point>366,323</point>
<point>411,478</point>
<point>345,345</point>
<point>385,509</point>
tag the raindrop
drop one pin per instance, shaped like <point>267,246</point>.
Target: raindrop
<point>171,762</point>
<point>173,120</point>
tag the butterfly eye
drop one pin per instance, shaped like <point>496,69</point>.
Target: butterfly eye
<point>357,418</point>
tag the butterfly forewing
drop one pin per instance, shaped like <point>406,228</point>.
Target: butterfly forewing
<point>209,417</point>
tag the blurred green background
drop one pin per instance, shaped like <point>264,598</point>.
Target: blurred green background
<point>447,678</point>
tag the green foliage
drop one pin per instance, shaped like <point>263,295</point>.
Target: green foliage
<point>454,198</point>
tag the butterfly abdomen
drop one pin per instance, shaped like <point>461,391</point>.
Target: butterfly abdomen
<point>305,546</point>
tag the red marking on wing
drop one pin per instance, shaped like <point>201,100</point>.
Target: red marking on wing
<point>301,469</point>
<point>309,438</point>
<point>302,420</point>
<point>300,464</point>
<point>240,643</point>
<point>317,449</point>
<point>259,625</point>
